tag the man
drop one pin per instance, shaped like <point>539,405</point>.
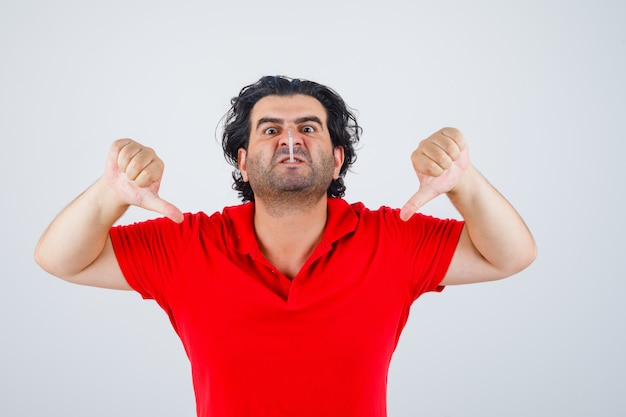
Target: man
<point>290,304</point>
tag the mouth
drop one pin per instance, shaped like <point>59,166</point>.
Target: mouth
<point>285,159</point>
<point>289,161</point>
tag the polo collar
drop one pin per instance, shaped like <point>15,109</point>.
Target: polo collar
<point>341,221</point>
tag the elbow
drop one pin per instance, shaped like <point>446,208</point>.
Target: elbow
<point>523,259</point>
<point>46,262</point>
<point>39,258</point>
<point>514,262</point>
<point>530,253</point>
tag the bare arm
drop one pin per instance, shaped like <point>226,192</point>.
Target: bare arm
<point>495,242</point>
<point>76,246</point>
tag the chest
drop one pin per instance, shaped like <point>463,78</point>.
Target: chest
<point>332,305</point>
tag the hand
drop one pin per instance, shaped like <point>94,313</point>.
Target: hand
<point>135,172</point>
<point>439,162</point>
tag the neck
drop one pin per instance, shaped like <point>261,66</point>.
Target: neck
<point>287,204</point>
<point>287,235</point>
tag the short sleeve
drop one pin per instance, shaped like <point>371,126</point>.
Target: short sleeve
<point>149,254</point>
<point>426,245</point>
<point>433,254</point>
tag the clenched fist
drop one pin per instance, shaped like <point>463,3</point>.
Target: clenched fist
<point>134,172</point>
<point>439,162</point>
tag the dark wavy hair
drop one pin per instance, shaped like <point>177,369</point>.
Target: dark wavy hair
<point>342,125</point>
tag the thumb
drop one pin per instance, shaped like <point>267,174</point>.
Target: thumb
<point>155,203</point>
<point>423,195</point>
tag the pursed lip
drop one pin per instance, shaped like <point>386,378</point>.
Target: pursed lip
<point>285,158</point>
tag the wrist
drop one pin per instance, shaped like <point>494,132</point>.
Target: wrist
<point>466,185</point>
<point>104,196</point>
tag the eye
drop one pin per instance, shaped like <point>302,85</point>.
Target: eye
<point>308,129</point>
<point>270,131</point>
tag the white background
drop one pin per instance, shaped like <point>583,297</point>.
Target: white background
<point>537,87</point>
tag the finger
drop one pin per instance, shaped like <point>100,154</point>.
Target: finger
<point>112,162</point>
<point>126,149</point>
<point>435,155</point>
<point>141,159</point>
<point>443,149</point>
<point>435,160</point>
<point>456,136</point>
<point>150,174</point>
<point>133,157</point>
<point>157,204</point>
<point>423,195</point>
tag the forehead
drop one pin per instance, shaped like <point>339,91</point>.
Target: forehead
<point>287,108</point>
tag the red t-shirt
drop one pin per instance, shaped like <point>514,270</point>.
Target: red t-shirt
<point>263,345</point>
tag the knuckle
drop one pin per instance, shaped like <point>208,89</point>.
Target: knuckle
<point>445,163</point>
<point>451,132</point>
<point>415,155</point>
<point>124,145</point>
<point>148,150</point>
<point>432,168</point>
<point>133,166</point>
<point>438,152</point>
<point>126,152</point>
<point>455,135</point>
<point>452,149</point>
<point>143,179</point>
<point>435,169</point>
<point>151,173</point>
<point>120,143</point>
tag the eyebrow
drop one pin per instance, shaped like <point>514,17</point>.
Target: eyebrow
<point>278,121</point>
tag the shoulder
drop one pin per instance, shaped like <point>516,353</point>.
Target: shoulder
<point>382,213</point>
<point>338,207</point>
<point>357,217</point>
<point>388,219</point>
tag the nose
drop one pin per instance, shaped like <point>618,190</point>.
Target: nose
<point>296,138</point>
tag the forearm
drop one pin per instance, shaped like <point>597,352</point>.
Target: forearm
<point>494,227</point>
<point>77,236</point>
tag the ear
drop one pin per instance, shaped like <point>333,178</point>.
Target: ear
<point>338,153</point>
<point>241,161</point>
